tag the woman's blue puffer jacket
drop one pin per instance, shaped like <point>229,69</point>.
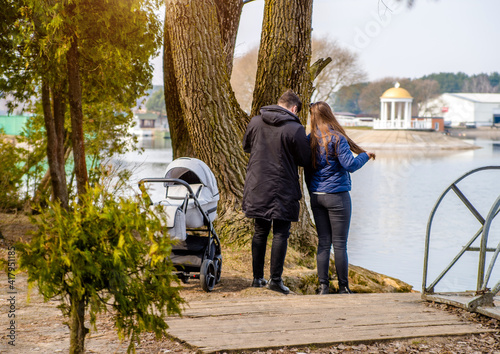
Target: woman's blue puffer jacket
<point>334,177</point>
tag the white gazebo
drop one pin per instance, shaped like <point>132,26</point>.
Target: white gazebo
<point>395,109</point>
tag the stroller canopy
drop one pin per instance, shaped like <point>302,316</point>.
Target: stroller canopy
<point>193,171</point>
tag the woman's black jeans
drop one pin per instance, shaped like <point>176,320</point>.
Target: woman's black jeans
<point>332,215</point>
<point>281,232</point>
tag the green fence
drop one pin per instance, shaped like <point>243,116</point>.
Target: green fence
<point>13,125</point>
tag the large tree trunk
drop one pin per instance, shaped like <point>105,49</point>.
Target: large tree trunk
<point>284,63</point>
<point>212,116</point>
<point>284,53</point>
<point>228,13</point>
<point>181,143</point>
<point>54,144</point>
<point>75,104</point>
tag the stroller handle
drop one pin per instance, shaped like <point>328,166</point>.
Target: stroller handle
<point>145,194</point>
<point>165,180</point>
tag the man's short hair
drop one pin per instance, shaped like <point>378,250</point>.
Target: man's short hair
<point>290,99</point>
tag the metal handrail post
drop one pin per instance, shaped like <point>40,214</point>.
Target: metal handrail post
<point>427,240</point>
<point>496,289</point>
<point>491,215</point>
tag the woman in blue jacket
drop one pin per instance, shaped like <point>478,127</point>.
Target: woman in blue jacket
<point>329,183</point>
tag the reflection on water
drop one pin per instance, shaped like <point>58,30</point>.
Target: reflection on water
<point>392,199</point>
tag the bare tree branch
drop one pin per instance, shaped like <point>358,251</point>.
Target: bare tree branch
<point>318,66</point>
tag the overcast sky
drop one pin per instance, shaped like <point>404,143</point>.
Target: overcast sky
<point>432,36</point>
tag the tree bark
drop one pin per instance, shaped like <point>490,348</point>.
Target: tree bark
<point>284,53</point>
<point>229,12</point>
<point>75,103</point>
<point>284,63</point>
<point>181,143</point>
<point>77,326</point>
<point>214,121</point>
<point>54,146</point>
<point>59,113</point>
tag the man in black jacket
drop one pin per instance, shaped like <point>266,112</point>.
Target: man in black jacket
<point>277,143</point>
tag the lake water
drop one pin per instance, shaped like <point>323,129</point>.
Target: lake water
<point>392,199</point>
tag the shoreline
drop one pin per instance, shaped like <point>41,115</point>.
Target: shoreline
<point>413,140</point>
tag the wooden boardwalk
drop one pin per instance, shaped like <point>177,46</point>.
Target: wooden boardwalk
<point>461,300</point>
<point>277,321</point>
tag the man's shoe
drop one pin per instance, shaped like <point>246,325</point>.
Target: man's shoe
<point>259,282</point>
<point>278,286</point>
<point>324,289</point>
<point>345,290</point>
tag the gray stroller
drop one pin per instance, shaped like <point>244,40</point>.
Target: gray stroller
<point>190,202</point>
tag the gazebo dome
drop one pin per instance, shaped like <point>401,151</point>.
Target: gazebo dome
<point>396,92</point>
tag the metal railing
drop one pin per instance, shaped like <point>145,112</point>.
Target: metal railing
<point>483,295</point>
<point>402,124</point>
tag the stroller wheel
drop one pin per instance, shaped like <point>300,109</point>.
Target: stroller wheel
<point>218,262</point>
<point>207,275</point>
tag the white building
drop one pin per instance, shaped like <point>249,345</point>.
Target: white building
<point>347,119</point>
<point>464,109</point>
<point>395,111</point>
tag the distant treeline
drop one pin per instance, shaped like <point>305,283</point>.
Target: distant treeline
<point>364,98</point>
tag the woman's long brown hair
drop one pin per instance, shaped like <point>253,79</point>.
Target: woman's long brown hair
<point>323,126</point>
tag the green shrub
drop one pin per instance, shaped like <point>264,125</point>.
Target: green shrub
<point>104,254</point>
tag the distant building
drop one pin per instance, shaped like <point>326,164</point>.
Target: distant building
<point>348,119</point>
<point>432,123</point>
<point>12,124</point>
<point>395,113</point>
<point>145,124</point>
<point>464,109</point>
<point>395,109</point>
<point>146,120</point>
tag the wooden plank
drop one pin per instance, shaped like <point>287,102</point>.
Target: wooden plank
<point>241,341</point>
<point>461,300</point>
<point>249,323</point>
<point>310,300</point>
<point>277,321</point>
<point>493,312</point>
<point>266,339</point>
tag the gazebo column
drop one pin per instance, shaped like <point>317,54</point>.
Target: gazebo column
<point>408,114</point>
<point>393,113</point>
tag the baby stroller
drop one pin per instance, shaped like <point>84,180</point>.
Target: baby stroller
<point>190,202</point>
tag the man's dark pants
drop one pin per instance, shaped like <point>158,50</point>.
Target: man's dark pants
<point>281,232</point>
